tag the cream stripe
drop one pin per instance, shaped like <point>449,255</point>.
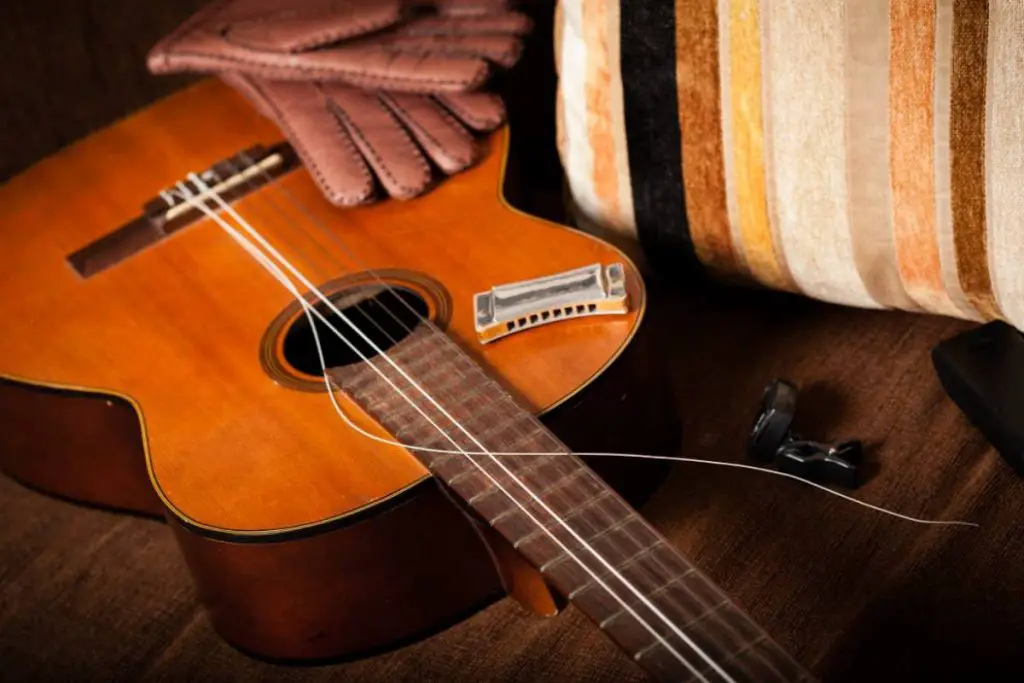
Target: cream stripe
<point>578,157</point>
<point>867,145</point>
<point>724,78</point>
<point>560,141</point>
<point>617,114</point>
<point>805,70</point>
<point>1004,157</point>
<point>943,194</point>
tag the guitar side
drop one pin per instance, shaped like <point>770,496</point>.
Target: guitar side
<point>295,530</point>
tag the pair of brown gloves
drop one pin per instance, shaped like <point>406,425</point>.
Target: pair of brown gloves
<point>366,91</point>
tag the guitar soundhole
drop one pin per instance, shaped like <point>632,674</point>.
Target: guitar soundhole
<point>385,307</point>
<point>373,319</point>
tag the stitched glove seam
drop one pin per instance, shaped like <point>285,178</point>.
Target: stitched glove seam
<point>425,170</point>
<point>311,164</point>
<point>371,80</point>
<point>320,38</point>
<point>411,122</point>
<point>466,115</point>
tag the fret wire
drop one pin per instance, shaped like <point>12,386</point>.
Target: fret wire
<point>428,323</point>
<point>556,463</point>
<point>673,601</point>
<point>557,492</point>
<point>669,597</point>
<point>724,601</point>
<point>617,524</point>
<point>677,606</point>
<point>665,597</point>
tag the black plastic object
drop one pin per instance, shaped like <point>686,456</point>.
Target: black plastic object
<point>772,440</point>
<point>982,371</point>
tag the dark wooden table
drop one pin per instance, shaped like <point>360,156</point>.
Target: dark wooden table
<point>857,596</point>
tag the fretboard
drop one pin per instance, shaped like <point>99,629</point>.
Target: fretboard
<point>563,518</point>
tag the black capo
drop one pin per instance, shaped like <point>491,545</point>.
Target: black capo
<point>772,440</point>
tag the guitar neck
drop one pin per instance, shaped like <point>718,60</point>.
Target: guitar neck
<point>584,538</point>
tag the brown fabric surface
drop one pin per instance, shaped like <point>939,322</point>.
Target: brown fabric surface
<point>967,150</point>
<point>911,164</point>
<point>90,595</point>
<point>700,120</point>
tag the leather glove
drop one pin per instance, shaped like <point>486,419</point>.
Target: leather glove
<point>378,44</point>
<point>347,82</point>
<point>343,133</point>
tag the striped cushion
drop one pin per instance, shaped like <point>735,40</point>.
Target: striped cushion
<point>861,152</point>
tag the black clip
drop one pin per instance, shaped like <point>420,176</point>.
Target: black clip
<point>772,440</point>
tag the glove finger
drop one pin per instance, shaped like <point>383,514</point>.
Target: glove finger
<point>279,27</point>
<point>480,111</point>
<point>469,7</point>
<point>366,66</point>
<point>325,147</point>
<point>247,89</point>
<point>505,23</point>
<point>503,50</point>
<point>448,144</point>
<point>384,143</point>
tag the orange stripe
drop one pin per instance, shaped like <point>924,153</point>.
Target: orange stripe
<point>912,152</point>
<point>605,175</point>
<point>967,147</point>
<point>764,258</point>
<point>700,115</point>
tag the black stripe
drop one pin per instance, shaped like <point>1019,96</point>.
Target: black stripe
<point>653,137</point>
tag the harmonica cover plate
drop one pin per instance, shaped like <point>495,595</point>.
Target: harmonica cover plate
<point>592,290</point>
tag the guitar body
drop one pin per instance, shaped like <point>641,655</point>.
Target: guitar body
<point>163,385</point>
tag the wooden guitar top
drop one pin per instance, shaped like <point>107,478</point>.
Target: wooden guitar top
<point>177,328</point>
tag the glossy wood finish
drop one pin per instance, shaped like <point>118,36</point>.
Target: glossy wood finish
<point>595,548</point>
<point>294,526</point>
<point>81,446</point>
<point>304,598</point>
<point>349,591</point>
<point>223,440</point>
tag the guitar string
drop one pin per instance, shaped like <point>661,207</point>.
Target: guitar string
<point>312,218</point>
<point>691,460</point>
<point>250,182</point>
<point>274,270</point>
<point>706,611</point>
<point>351,256</point>
<point>284,280</point>
<point>415,313</point>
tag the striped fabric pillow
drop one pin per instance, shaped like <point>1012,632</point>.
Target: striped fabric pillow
<point>864,152</point>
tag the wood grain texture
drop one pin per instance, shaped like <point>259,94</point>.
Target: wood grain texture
<point>90,594</point>
<point>316,596</point>
<point>250,439</point>
<point>83,447</point>
<point>270,494</point>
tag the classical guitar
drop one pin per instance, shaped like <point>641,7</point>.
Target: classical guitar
<point>336,410</point>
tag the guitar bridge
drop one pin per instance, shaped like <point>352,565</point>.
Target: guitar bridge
<point>588,291</point>
<point>168,212</point>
